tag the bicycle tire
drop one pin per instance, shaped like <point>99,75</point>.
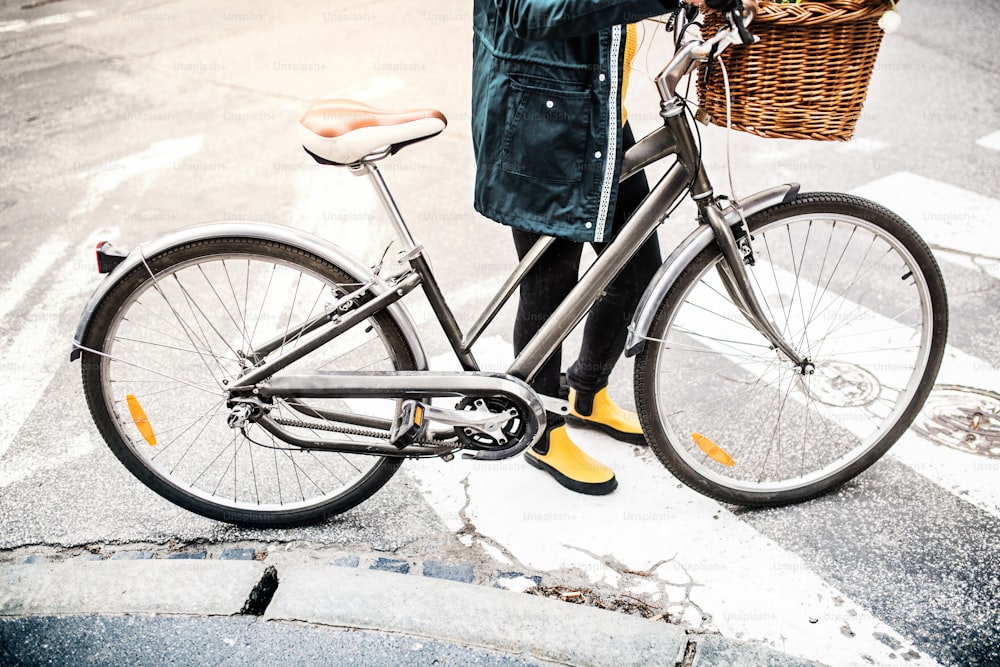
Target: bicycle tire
<point>177,328</point>
<point>732,418</point>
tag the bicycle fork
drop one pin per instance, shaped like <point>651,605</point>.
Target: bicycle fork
<point>736,279</point>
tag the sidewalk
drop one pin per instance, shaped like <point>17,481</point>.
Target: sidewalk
<point>232,611</point>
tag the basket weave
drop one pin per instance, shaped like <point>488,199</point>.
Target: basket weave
<point>808,76</point>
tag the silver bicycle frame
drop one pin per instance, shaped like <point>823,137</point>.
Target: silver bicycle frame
<point>676,138</point>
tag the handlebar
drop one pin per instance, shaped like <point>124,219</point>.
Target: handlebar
<point>691,52</point>
<point>735,32</point>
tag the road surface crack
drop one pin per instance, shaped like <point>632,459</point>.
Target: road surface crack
<point>469,528</point>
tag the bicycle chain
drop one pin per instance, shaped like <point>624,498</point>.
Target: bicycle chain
<point>352,430</point>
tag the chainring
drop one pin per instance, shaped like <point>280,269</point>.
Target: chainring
<point>472,438</point>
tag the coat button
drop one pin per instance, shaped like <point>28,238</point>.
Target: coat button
<point>588,225</point>
<point>549,104</point>
<point>601,77</point>
<point>598,155</point>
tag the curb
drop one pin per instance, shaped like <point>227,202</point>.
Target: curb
<point>476,616</point>
<point>381,600</point>
<point>191,587</point>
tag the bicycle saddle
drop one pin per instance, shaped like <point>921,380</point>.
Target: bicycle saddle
<point>343,132</point>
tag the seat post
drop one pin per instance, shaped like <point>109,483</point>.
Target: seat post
<point>414,254</point>
<point>388,203</point>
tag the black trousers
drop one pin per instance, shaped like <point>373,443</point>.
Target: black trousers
<point>606,327</point>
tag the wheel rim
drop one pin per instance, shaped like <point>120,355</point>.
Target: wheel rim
<point>785,431</point>
<point>177,372</point>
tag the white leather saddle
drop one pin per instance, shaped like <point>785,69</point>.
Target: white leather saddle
<point>343,132</point>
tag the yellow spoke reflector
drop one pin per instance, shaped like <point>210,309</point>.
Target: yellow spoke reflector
<point>141,420</point>
<point>714,452</point>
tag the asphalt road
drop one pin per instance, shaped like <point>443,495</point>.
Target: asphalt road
<point>126,119</point>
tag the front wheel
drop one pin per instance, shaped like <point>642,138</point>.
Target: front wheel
<point>853,288</point>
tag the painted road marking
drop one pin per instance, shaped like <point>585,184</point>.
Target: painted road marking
<point>37,351</point>
<point>991,140</point>
<point>946,216</point>
<point>106,178</point>
<point>726,575</point>
<point>949,217</point>
<point>13,293</point>
<point>342,210</point>
<point>21,25</point>
<point>968,476</point>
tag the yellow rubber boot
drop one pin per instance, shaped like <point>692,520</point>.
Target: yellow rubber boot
<point>570,466</point>
<point>602,414</point>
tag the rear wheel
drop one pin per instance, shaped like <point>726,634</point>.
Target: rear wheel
<point>851,287</point>
<point>181,328</point>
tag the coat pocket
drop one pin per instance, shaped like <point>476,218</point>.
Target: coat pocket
<point>546,134</point>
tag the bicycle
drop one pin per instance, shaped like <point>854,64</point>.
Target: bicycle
<point>259,375</point>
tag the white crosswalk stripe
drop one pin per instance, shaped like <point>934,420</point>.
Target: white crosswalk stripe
<point>36,352</point>
<point>21,25</point>
<point>991,141</point>
<point>945,215</point>
<point>30,274</point>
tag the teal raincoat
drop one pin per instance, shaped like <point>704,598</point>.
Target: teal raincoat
<point>546,111</point>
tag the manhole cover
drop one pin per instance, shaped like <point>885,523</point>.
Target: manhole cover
<point>963,418</point>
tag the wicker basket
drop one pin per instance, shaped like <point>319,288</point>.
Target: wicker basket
<point>807,78</point>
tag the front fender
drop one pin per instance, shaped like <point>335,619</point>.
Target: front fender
<point>685,253</point>
<point>253,230</point>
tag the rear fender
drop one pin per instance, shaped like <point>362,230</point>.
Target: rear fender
<point>252,230</point>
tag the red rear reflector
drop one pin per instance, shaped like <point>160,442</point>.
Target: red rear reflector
<point>108,257</point>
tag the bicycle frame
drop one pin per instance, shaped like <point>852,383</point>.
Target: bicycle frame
<point>674,138</point>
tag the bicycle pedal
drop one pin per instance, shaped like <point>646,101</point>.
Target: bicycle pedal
<point>409,424</point>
